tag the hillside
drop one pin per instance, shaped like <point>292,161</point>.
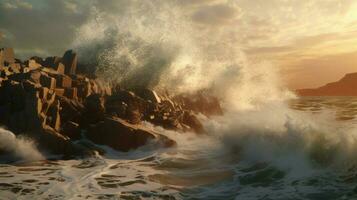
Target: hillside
<point>347,86</point>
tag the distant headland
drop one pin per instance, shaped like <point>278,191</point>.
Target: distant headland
<point>347,86</point>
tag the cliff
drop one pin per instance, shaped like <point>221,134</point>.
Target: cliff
<point>347,86</point>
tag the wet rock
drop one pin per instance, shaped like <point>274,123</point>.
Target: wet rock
<point>191,120</point>
<point>95,111</point>
<point>50,140</point>
<point>71,110</point>
<point>121,135</point>
<point>72,130</point>
<point>200,102</point>
<point>149,95</point>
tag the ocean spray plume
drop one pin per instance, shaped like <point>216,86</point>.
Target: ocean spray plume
<point>18,148</point>
<point>163,45</point>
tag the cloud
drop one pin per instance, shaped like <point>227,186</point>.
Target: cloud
<point>218,14</point>
<point>45,27</point>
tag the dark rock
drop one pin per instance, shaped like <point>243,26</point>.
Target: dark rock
<point>200,102</point>
<point>47,81</point>
<point>191,120</point>
<point>121,135</point>
<point>69,60</point>
<point>72,110</point>
<point>95,111</point>
<point>52,62</point>
<point>50,140</point>
<point>149,95</point>
<point>72,130</point>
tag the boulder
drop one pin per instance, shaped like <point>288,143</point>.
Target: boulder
<point>71,130</point>
<point>200,102</point>
<point>47,81</point>
<point>60,68</point>
<point>15,67</point>
<point>149,95</point>
<point>50,140</point>
<point>122,136</point>
<point>94,110</point>
<point>71,110</point>
<point>69,60</point>
<point>71,93</point>
<point>191,120</point>
<point>33,64</point>
<point>52,62</point>
<point>7,55</point>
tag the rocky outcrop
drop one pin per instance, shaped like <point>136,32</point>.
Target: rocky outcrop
<point>48,100</point>
<point>123,136</point>
<point>344,87</point>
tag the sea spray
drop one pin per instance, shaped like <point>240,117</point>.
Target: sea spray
<point>161,45</point>
<point>17,148</point>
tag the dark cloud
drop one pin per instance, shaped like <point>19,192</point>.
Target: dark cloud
<point>45,27</point>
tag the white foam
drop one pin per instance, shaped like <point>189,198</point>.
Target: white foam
<point>21,148</point>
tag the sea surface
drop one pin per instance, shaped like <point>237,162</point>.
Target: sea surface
<point>302,149</point>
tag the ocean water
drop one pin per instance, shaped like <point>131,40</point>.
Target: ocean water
<point>306,150</point>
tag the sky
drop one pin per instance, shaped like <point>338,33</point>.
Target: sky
<point>311,42</point>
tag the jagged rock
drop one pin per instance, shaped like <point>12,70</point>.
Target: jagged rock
<point>15,67</point>
<point>121,135</point>
<point>7,56</point>
<point>33,64</point>
<point>35,76</point>
<point>72,130</point>
<point>71,93</point>
<point>191,120</point>
<point>69,60</point>
<point>71,109</point>
<point>52,62</point>
<point>59,91</point>
<point>200,102</point>
<point>149,95</point>
<point>94,109</point>
<point>50,140</point>
<point>53,118</point>
<point>47,81</point>
<point>60,68</point>
<point>64,81</point>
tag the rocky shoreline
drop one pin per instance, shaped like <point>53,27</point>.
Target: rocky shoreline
<point>48,101</point>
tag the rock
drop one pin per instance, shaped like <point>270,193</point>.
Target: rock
<point>200,102</point>
<point>33,64</point>
<point>69,60</point>
<point>7,56</point>
<point>66,81</point>
<point>149,95</point>
<point>52,62</point>
<point>60,68</point>
<point>47,81</point>
<point>71,110</point>
<point>50,140</point>
<point>71,130</point>
<point>121,135</point>
<point>191,120</point>
<point>59,91</point>
<point>35,76</point>
<point>94,105</point>
<point>15,67</point>
<point>53,116</point>
<point>71,93</point>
